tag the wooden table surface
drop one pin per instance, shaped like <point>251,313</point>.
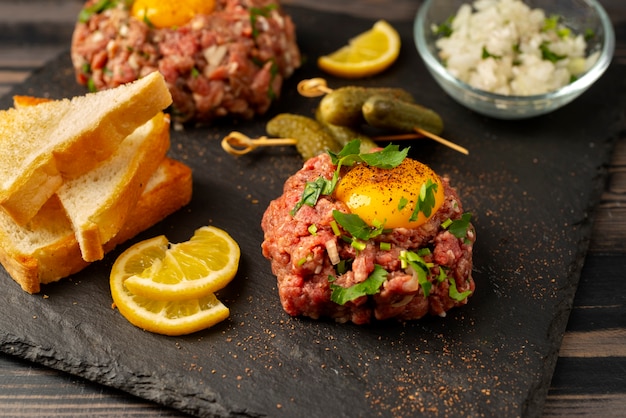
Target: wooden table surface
<point>590,376</point>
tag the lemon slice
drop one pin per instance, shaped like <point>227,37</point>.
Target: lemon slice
<point>367,54</point>
<point>168,317</point>
<point>188,270</point>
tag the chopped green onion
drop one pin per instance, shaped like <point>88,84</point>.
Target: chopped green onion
<point>335,228</point>
<point>359,245</point>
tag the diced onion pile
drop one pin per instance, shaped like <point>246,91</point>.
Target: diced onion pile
<point>505,47</point>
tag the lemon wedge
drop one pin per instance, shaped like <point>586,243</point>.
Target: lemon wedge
<point>175,315</point>
<point>367,54</point>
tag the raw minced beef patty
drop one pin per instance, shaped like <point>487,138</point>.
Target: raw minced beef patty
<point>300,260</point>
<point>216,65</point>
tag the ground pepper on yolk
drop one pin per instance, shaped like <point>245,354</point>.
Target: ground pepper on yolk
<point>389,196</point>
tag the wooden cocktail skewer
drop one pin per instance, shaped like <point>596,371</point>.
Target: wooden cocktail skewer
<point>237,143</point>
<point>315,87</point>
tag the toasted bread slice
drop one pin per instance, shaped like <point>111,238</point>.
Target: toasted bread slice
<point>99,201</point>
<point>40,144</point>
<point>46,250</point>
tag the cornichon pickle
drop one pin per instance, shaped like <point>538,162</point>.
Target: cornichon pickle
<point>343,106</point>
<point>382,112</point>
<point>312,138</point>
<point>344,134</point>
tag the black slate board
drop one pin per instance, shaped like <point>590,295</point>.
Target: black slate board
<point>531,185</point>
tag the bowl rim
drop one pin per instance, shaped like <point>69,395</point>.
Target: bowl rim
<point>580,84</point>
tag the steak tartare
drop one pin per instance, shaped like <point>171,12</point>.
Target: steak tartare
<point>231,61</point>
<point>326,267</point>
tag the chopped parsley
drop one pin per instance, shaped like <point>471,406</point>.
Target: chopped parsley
<point>370,286</point>
<point>255,12</point>
<point>271,94</point>
<point>402,203</point>
<point>388,158</point>
<point>420,267</point>
<point>486,54</point>
<point>458,227</point>
<point>548,55</point>
<point>356,226</point>
<point>96,8</point>
<point>426,200</point>
<point>444,29</point>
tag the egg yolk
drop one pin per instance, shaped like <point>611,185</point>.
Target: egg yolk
<point>167,14</point>
<point>389,196</point>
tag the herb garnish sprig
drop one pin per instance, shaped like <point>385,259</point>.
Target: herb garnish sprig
<point>370,286</point>
<point>389,157</point>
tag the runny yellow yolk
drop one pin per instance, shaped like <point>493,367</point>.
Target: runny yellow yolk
<point>388,196</point>
<point>167,14</point>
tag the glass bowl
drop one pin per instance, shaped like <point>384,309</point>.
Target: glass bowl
<point>578,15</point>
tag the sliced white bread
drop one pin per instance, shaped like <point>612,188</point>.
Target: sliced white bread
<point>46,250</point>
<point>98,202</point>
<point>44,144</point>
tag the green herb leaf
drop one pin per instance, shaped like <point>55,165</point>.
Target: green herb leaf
<point>86,13</point>
<point>370,286</point>
<point>147,20</point>
<point>454,293</point>
<point>271,94</point>
<point>459,227</point>
<point>548,55</point>
<point>356,226</point>
<point>426,200</point>
<point>486,54</point>
<point>402,203</point>
<point>351,148</point>
<point>420,267</point>
<point>387,158</point>
<point>255,12</point>
<point>311,193</point>
<point>445,29</point>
